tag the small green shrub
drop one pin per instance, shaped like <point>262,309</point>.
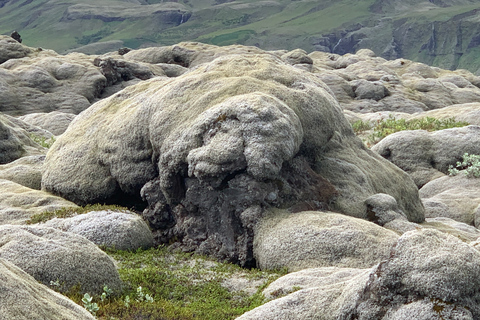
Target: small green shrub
<point>361,126</point>
<point>71,211</point>
<point>470,164</point>
<point>384,127</point>
<point>44,142</point>
<point>92,307</point>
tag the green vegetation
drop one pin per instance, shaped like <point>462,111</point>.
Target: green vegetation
<point>281,24</point>
<point>237,37</point>
<point>72,211</point>
<point>95,37</point>
<point>163,285</point>
<point>44,142</point>
<point>470,164</point>
<point>385,127</point>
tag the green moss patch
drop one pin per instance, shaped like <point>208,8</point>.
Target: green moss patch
<point>72,211</point>
<point>183,286</point>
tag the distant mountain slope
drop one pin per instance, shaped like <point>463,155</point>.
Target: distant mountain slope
<point>445,33</point>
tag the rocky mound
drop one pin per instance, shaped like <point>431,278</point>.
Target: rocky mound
<point>212,149</point>
<point>425,277</point>
<point>247,156</point>
<point>24,298</point>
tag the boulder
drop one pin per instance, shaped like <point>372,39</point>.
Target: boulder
<point>23,298</point>
<point>398,85</point>
<point>188,54</point>
<point>110,229</point>
<point>310,278</point>
<point>26,171</point>
<point>297,56</point>
<point>209,150</point>
<point>340,87</point>
<point>383,208</point>
<point>373,90</point>
<point>428,275</point>
<point>12,49</point>
<point>16,139</point>
<point>55,122</point>
<point>463,231</point>
<point>428,155</point>
<point>172,70</point>
<point>48,255</point>
<point>455,197</point>
<point>320,239</point>
<point>46,81</point>
<point>467,112</point>
<point>325,301</point>
<point>425,265</point>
<point>18,203</point>
<point>118,70</point>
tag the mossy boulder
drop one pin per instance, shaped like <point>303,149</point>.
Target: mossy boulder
<point>210,150</point>
<point>24,298</point>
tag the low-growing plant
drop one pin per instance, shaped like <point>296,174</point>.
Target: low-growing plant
<point>165,285</point>
<point>106,293</point>
<point>470,166</point>
<point>361,126</point>
<point>92,307</point>
<point>142,296</point>
<point>72,211</point>
<point>384,127</point>
<point>55,284</point>
<point>41,140</point>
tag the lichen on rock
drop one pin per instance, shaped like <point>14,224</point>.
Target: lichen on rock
<point>211,150</point>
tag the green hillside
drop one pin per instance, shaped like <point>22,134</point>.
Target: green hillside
<point>444,33</point>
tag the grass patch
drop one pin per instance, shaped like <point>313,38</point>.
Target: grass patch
<point>237,37</point>
<point>43,141</point>
<point>385,127</point>
<point>183,287</point>
<point>71,211</point>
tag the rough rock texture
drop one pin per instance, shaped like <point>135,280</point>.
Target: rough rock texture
<point>427,155</point>
<point>455,197</point>
<point>26,171</point>
<point>46,81</point>
<point>48,255</point>
<point>118,70</point>
<point>54,122</point>
<point>424,265</point>
<point>383,208</point>
<point>324,302</point>
<point>310,278</point>
<point>111,229</point>
<point>467,112</point>
<point>23,298</point>
<point>463,231</point>
<point>320,239</point>
<point>18,203</point>
<point>16,139</point>
<point>12,49</point>
<point>428,275</point>
<point>398,85</point>
<point>187,54</point>
<point>212,148</point>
